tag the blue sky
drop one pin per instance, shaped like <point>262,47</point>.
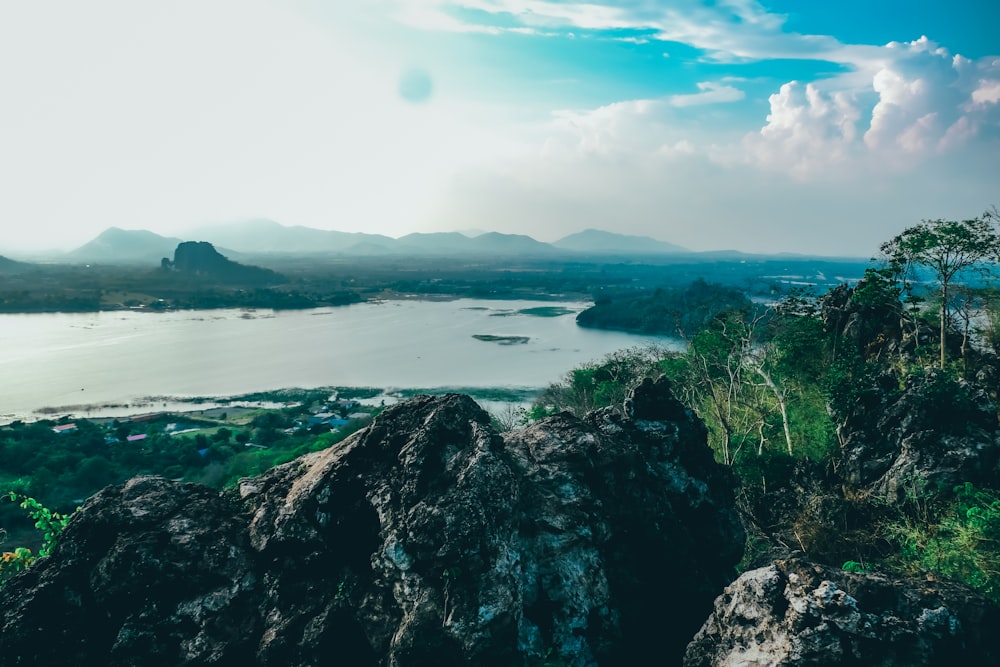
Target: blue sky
<point>791,126</point>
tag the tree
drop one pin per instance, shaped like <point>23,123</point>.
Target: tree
<point>946,247</point>
<point>728,373</point>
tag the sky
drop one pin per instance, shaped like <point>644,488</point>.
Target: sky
<point>800,126</point>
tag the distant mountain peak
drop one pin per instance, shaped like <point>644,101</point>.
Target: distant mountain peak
<point>601,241</point>
<point>125,246</point>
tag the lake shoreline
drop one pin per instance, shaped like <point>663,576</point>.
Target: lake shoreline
<point>275,399</point>
<point>121,363</point>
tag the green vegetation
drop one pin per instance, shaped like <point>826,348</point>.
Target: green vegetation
<point>50,524</point>
<point>668,310</point>
<point>776,385</point>
<point>63,467</point>
<point>948,248</point>
<point>600,383</point>
<point>959,539</point>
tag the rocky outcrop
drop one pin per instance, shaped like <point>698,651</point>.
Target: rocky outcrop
<point>425,539</point>
<point>200,258</point>
<point>865,317</point>
<point>928,437</point>
<point>919,433</point>
<point>794,613</point>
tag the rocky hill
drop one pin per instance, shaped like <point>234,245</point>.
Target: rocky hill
<point>602,242</point>
<point>200,258</point>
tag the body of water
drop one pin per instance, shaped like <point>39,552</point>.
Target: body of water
<point>66,363</point>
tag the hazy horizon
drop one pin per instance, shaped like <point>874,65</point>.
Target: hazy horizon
<point>196,234</point>
<point>765,127</point>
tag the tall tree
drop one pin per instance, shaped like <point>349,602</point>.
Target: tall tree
<point>946,247</point>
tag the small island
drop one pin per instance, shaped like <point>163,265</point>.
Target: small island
<point>502,340</point>
<point>547,311</point>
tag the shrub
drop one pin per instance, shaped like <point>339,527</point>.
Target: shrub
<point>50,524</point>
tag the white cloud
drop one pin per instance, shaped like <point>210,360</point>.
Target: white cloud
<point>712,93</point>
<point>988,92</point>
<point>806,131</point>
<point>902,102</point>
<point>905,102</point>
<point>590,16</point>
<point>624,128</point>
<point>929,101</point>
<point>843,162</point>
<point>733,30</point>
<point>679,194</point>
<point>429,17</point>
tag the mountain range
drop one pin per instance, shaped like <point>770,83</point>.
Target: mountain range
<point>257,237</point>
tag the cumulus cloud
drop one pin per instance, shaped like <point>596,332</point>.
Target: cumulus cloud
<point>917,98</point>
<point>914,101</point>
<point>900,103</point>
<point>930,101</point>
<point>805,131</point>
<point>901,100</point>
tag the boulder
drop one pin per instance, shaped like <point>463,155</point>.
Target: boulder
<point>869,321</point>
<point>922,440</point>
<point>152,572</point>
<point>795,613</point>
<point>425,539</point>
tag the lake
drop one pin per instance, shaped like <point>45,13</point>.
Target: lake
<point>125,361</point>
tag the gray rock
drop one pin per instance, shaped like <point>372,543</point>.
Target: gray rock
<point>921,441</point>
<point>795,613</point>
<point>425,539</point>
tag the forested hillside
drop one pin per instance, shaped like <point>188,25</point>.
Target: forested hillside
<point>668,310</point>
